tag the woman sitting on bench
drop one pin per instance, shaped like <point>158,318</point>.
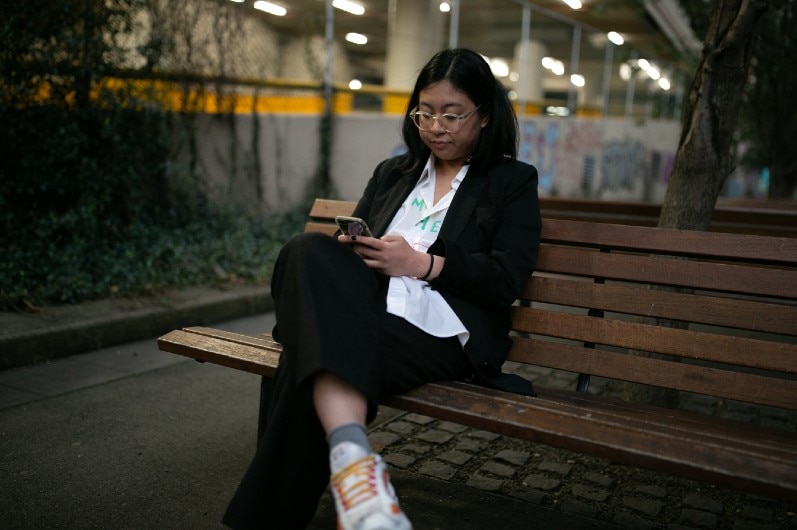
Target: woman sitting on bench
<point>456,228</point>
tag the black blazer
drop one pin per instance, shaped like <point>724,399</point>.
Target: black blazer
<point>490,238</point>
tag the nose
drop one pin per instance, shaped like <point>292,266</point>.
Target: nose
<point>437,127</point>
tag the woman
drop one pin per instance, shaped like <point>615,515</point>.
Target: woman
<point>456,228</point>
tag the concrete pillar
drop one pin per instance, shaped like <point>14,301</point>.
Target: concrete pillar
<point>305,58</point>
<point>527,62</point>
<point>415,32</point>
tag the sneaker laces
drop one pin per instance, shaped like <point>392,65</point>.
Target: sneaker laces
<point>356,483</point>
<point>357,490</point>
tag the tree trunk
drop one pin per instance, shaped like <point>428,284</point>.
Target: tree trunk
<point>704,160</point>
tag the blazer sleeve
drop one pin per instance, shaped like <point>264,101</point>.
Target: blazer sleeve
<point>490,262</point>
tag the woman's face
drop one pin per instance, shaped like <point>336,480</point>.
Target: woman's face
<point>442,98</point>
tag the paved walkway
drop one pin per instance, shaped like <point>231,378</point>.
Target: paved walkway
<point>127,436</point>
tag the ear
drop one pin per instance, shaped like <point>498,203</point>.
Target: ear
<point>484,120</point>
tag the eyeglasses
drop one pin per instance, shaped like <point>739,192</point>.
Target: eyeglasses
<point>450,123</point>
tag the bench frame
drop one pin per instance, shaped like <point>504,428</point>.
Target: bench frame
<point>602,305</point>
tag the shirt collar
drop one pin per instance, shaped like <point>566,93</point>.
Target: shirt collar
<point>429,168</point>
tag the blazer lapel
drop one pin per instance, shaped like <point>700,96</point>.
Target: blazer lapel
<point>393,201</point>
<point>463,204</point>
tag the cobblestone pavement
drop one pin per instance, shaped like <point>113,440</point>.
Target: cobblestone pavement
<point>592,487</point>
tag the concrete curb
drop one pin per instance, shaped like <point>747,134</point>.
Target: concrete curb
<point>30,338</point>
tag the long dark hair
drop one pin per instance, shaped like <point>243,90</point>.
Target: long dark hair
<point>467,71</point>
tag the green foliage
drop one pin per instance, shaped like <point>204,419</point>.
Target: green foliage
<point>92,203</point>
<point>216,248</point>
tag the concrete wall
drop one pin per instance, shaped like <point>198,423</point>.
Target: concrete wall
<point>266,162</point>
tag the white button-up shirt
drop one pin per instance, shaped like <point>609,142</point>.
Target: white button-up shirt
<point>418,221</point>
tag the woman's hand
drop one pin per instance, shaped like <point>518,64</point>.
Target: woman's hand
<point>390,255</point>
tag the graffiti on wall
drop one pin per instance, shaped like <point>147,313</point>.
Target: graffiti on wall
<point>574,158</point>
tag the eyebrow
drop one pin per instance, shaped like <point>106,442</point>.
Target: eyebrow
<point>446,107</point>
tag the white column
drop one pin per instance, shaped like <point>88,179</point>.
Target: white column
<point>415,32</point>
<point>528,63</point>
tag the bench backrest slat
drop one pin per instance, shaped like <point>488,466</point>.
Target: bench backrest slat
<point>749,387</point>
<point>723,325</point>
<point>664,340</point>
<point>668,271</point>
<point>697,308</point>
<point>758,249</point>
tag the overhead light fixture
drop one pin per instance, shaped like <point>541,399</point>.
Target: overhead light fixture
<point>355,84</point>
<point>357,38</point>
<point>350,7</point>
<point>615,38</point>
<point>578,80</point>
<point>554,65</point>
<point>673,21</point>
<point>445,7</point>
<point>239,1</point>
<point>573,4</point>
<point>664,83</point>
<point>270,8</point>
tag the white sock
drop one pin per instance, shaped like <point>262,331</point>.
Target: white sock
<point>344,454</point>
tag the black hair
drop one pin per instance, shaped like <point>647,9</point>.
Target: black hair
<point>469,72</point>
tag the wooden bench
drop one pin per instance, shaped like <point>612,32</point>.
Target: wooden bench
<point>705,315</point>
<point>765,218</point>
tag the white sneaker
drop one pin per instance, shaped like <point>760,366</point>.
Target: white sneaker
<point>365,498</point>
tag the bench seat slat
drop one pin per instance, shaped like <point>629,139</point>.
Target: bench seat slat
<point>688,377</point>
<point>704,456</point>
<point>641,301</point>
<point>248,357</point>
<point>667,271</point>
<point>739,351</point>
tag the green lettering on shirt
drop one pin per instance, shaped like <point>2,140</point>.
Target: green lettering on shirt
<point>436,226</point>
<point>419,203</point>
<point>422,223</point>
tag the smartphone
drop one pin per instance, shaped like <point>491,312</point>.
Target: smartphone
<point>352,226</point>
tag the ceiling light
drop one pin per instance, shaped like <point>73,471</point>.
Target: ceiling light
<point>653,73</point>
<point>643,64</point>
<point>355,84</point>
<point>573,4</point>
<point>357,38</point>
<point>615,38</point>
<point>445,7</point>
<point>578,80</point>
<point>625,71</point>
<point>270,8</point>
<point>664,83</point>
<point>350,7</point>
<point>554,65</point>
<point>239,1</point>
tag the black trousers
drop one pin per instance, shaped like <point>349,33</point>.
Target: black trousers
<point>331,317</point>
